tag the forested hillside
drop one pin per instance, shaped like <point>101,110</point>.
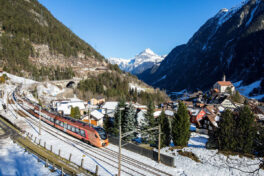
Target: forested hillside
<point>24,23</point>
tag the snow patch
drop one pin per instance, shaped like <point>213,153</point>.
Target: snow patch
<point>253,12</point>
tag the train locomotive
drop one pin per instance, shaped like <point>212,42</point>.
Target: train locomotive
<point>88,133</point>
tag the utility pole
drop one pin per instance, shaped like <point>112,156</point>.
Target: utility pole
<point>39,120</point>
<point>89,116</point>
<point>159,145</point>
<point>120,142</point>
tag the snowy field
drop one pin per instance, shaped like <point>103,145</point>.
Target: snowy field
<point>212,163</point>
<point>15,161</point>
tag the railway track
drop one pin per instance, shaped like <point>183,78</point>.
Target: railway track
<point>109,154</point>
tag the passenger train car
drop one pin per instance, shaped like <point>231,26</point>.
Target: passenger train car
<point>88,133</point>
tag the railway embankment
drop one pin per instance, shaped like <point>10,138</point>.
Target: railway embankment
<point>44,155</point>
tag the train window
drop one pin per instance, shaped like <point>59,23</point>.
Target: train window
<point>61,124</point>
<point>73,129</point>
<point>101,132</point>
<point>82,133</point>
<point>69,127</point>
<point>51,119</point>
<point>77,130</point>
<point>57,122</point>
<point>65,125</point>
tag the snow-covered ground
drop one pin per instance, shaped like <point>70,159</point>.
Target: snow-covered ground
<point>245,90</point>
<point>212,162</point>
<point>133,86</point>
<point>92,156</point>
<point>14,160</point>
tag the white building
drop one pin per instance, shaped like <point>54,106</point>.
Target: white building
<point>109,108</point>
<point>64,106</point>
<point>222,86</point>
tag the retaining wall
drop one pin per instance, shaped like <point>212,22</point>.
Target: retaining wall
<point>165,159</point>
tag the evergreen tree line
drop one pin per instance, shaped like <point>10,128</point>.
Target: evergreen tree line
<point>33,22</point>
<point>239,132</point>
<point>25,23</point>
<point>113,86</point>
<point>176,129</point>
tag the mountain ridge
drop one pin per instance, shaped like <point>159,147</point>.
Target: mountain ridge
<point>141,62</point>
<point>230,42</point>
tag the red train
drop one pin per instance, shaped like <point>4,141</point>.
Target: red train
<point>93,135</point>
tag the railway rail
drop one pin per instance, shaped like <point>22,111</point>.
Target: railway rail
<point>105,155</point>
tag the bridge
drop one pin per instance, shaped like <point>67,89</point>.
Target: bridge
<point>67,83</point>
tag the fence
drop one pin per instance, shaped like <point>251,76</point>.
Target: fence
<point>165,159</point>
<point>58,153</point>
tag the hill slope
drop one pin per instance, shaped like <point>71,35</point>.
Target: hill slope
<point>31,39</point>
<point>231,42</point>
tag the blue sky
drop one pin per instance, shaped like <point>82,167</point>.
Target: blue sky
<point>123,28</point>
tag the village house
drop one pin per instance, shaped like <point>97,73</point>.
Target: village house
<point>209,122</point>
<point>95,117</point>
<point>188,104</point>
<point>109,108</point>
<point>223,86</point>
<point>227,103</point>
<point>196,115</point>
<point>64,106</point>
<point>97,101</point>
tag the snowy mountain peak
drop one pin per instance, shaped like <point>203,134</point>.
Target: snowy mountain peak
<point>144,60</point>
<point>148,51</point>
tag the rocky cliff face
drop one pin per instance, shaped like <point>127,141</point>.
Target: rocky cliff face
<point>231,42</point>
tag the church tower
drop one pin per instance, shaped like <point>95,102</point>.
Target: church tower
<point>224,78</point>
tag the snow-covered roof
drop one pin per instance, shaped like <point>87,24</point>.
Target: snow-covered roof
<point>110,105</point>
<point>97,115</point>
<point>169,113</point>
<point>194,112</point>
<point>156,113</point>
<point>260,116</point>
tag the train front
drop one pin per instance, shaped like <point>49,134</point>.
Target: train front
<point>103,139</point>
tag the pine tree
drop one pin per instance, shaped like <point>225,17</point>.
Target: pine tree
<point>245,130</point>
<point>181,126</point>
<point>75,112</point>
<point>149,117</point>
<point>165,129</point>
<point>121,104</point>
<point>72,112</point>
<point>150,122</point>
<point>108,124</point>
<point>128,122</point>
<point>237,131</point>
<point>225,132</point>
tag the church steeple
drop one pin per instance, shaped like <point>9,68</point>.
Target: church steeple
<point>224,77</point>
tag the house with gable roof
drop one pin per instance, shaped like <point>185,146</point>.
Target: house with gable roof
<point>223,86</point>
